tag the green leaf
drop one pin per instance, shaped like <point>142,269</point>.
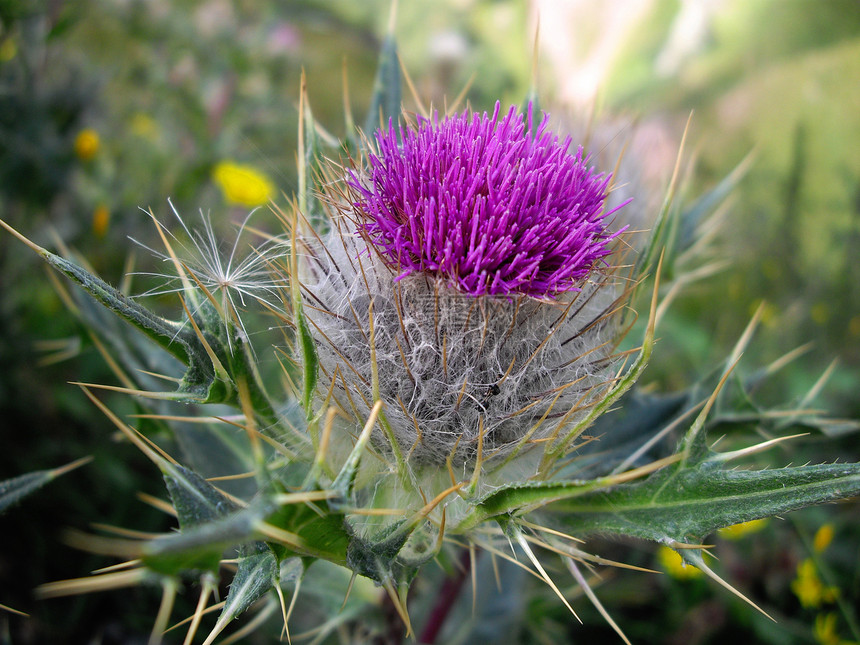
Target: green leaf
<point>386,98</point>
<point>310,171</point>
<point>14,490</point>
<point>707,203</point>
<point>196,500</point>
<point>200,383</point>
<point>310,362</point>
<point>201,546</point>
<point>256,574</point>
<point>209,378</point>
<point>524,496</point>
<point>378,558</point>
<point>209,523</point>
<point>169,335</point>
<point>684,504</point>
<point>323,533</point>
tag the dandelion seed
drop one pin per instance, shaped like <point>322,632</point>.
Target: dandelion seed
<point>233,279</point>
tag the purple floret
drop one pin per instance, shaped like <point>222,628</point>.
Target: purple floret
<point>487,203</point>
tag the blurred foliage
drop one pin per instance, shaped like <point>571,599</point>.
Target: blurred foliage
<point>172,89</point>
<point>774,77</point>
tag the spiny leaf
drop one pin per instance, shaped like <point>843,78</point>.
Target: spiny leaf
<point>310,363</point>
<point>200,342</point>
<point>309,169</point>
<point>201,546</point>
<point>307,346</point>
<point>171,336</point>
<point>257,573</point>
<point>196,500</point>
<point>707,203</point>
<point>14,490</point>
<point>657,241</point>
<point>345,479</point>
<point>681,504</point>
<point>177,339</point>
<point>322,535</point>
<point>525,496</point>
<point>377,558</point>
<point>386,97</point>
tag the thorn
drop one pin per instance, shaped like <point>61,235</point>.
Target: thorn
<point>168,596</point>
<point>132,435</point>
<point>473,571</point>
<point>479,459</point>
<point>62,470</point>
<point>545,529</point>
<point>399,605</point>
<point>349,589</point>
<point>252,625</point>
<point>694,557</point>
<point>155,502</point>
<point>105,582</point>
<point>13,611</point>
<point>392,18</point>
<point>699,423</point>
<point>759,447</point>
<point>283,606</point>
<point>631,459</point>
<point>208,587</point>
<point>524,545</point>
<point>583,584</point>
<point>38,249</point>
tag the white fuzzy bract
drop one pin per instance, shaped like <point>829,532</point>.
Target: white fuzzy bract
<point>451,368</point>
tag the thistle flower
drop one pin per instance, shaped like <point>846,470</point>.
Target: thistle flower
<point>493,205</point>
<point>465,283</point>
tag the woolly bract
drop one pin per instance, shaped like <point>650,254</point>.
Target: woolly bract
<point>452,368</point>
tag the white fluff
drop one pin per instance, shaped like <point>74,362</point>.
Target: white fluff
<point>521,359</point>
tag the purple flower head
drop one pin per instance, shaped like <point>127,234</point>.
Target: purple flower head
<point>488,203</point>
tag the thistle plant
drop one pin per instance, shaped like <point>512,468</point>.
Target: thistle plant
<point>454,294</point>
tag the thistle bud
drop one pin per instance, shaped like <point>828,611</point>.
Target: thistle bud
<point>465,282</point>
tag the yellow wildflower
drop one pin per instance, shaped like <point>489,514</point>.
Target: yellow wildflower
<point>87,144</point>
<point>243,185</point>
<point>672,563</point>
<point>8,50</point>
<point>101,219</point>
<point>825,630</point>
<point>809,589</point>
<point>737,531</point>
<point>823,538</point>
<point>144,126</point>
